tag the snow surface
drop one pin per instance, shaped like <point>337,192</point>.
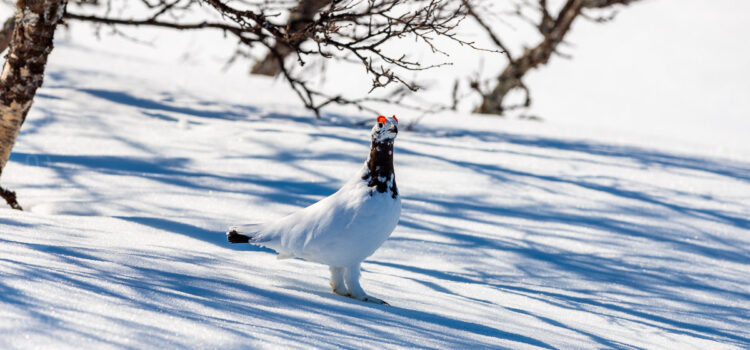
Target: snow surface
<point>513,234</point>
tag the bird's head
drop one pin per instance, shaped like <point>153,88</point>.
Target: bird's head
<point>385,129</point>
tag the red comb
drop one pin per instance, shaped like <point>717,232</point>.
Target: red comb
<point>396,119</point>
<point>382,119</point>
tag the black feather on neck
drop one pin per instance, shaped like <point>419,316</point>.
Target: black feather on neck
<point>380,168</point>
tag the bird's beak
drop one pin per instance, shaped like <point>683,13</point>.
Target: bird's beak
<point>393,128</point>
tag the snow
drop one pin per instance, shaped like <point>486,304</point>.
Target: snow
<point>513,234</point>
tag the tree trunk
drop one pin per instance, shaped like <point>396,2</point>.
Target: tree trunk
<point>511,78</point>
<point>22,75</point>
<point>5,33</point>
<point>302,16</point>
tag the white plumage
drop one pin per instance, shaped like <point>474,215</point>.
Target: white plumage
<point>344,228</point>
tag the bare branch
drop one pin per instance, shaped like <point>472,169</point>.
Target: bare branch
<point>553,29</point>
<point>495,39</point>
<point>341,29</point>
<point>153,22</point>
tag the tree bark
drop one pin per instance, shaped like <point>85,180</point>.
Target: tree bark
<point>23,72</point>
<point>553,30</point>
<point>553,33</point>
<point>302,16</point>
<point>6,32</point>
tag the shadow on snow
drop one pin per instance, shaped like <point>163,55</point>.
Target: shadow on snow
<point>658,282</point>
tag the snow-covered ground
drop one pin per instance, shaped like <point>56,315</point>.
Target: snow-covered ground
<point>513,234</point>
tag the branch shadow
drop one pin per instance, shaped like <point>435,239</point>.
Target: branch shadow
<point>616,276</point>
<point>216,237</point>
<point>214,302</point>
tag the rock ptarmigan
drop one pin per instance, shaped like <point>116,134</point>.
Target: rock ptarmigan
<point>345,228</point>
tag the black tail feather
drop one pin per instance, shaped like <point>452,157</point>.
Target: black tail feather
<point>235,237</point>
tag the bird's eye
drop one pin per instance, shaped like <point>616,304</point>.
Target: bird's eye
<point>382,120</point>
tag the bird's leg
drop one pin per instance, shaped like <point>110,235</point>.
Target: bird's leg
<point>351,277</point>
<point>337,281</point>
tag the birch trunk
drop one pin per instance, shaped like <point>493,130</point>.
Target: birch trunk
<point>23,72</point>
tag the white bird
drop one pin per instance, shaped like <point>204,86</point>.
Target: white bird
<point>341,230</point>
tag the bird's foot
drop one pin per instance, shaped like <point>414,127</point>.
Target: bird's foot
<point>371,299</point>
<point>340,291</point>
